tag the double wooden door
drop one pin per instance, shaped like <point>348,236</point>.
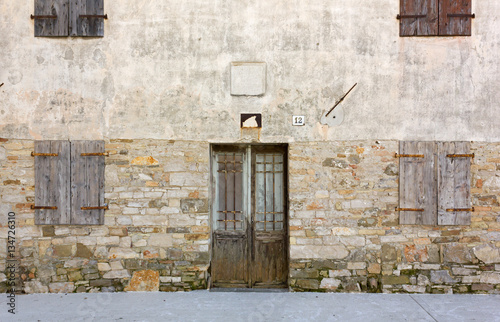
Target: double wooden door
<point>249,216</point>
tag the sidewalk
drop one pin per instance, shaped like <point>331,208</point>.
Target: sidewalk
<point>251,306</point>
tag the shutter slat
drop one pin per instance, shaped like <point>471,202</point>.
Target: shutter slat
<point>90,27</point>
<point>455,26</point>
<point>454,184</point>
<point>417,182</point>
<point>87,182</point>
<point>51,27</point>
<point>52,175</point>
<point>424,26</point>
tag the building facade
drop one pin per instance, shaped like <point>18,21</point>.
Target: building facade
<point>178,145</point>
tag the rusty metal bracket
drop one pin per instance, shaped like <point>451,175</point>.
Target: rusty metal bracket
<point>95,16</point>
<point>460,209</point>
<point>33,154</point>
<point>42,207</point>
<point>99,154</point>
<point>410,16</point>
<point>462,15</point>
<point>460,155</point>
<point>409,209</point>
<point>409,155</point>
<point>105,207</point>
<point>43,17</point>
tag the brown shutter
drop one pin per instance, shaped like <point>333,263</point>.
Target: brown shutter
<point>52,182</point>
<point>426,24</point>
<point>86,26</point>
<point>454,183</point>
<point>454,19</point>
<point>45,23</point>
<point>417,183</point>
<point>87,182</point>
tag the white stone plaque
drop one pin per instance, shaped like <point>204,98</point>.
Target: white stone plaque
<point>248,78</point>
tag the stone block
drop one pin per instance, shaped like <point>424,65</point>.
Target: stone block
<point>82,251</point>
<point>103,267</point>
<point>356,265</point>
<point>329,283</point>
<point>248,78</point>
<point>48,231</point>
<point>482,287</point>
<point>374,268</point>
<point>442,277</point>
<point>123,273</point>
<point>395,280</point>
<point>490,277</point>
<point>144,281</point>
<point>67,287</point>
<point>414,288</point>
<point>194,205</point>
<point>76,263</point>
<point>160,240</point>
<point>63,250</point>
<point>487,253</point>
<point>308,284</point>
<point>116,265</point>
<point>457,253</point>
<point>118,231</point>
<point>388,253</point>
<point>31,287</point>
<point>339,272</point>
<point>100,283</point>
<point>122,253</point>
<point>319,252</point>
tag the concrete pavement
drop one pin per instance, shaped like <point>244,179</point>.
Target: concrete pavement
<point>251,306</point>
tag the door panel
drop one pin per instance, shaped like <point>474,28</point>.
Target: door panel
<point>249,216</point>
<point>230,256</point>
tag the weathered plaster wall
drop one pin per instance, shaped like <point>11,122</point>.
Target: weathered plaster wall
<point>162,71</point>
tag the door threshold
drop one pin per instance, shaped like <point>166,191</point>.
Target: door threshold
<point>241,289</point>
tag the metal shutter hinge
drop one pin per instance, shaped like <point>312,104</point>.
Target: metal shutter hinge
<point>94,16</point>
<point>409,209</point>
<point>410,16</point>
<point>409,155</point>
<point>33,154</point>
<point>43,207</point>
<point>43,17</point>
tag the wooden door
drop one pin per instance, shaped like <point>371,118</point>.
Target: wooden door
<point>249,214</point>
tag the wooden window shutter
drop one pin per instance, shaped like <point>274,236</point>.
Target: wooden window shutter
<point>51,18</point>
<point>52,182</point>
<point>87,182</point>
<point>417,183</point>
<point>455,17</point>
<point>81,24</point>
<point>418,18</point>
<point>454,183</point>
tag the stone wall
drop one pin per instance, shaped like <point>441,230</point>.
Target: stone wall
<point>344,231</point>
<point>155,236</point>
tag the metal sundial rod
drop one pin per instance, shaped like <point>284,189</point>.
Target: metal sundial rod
<point>340,100</point>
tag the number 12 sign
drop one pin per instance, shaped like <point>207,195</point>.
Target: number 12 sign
<point>298,120</point>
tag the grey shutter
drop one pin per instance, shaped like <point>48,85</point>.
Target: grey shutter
<point>426,24</point>
<point>87,183</point>
<point>417,183</point>
<point>85,26</point>
<point>454,17</point>
<point>52,182</point>
<point>45,26</point>
<point>454,183</point>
